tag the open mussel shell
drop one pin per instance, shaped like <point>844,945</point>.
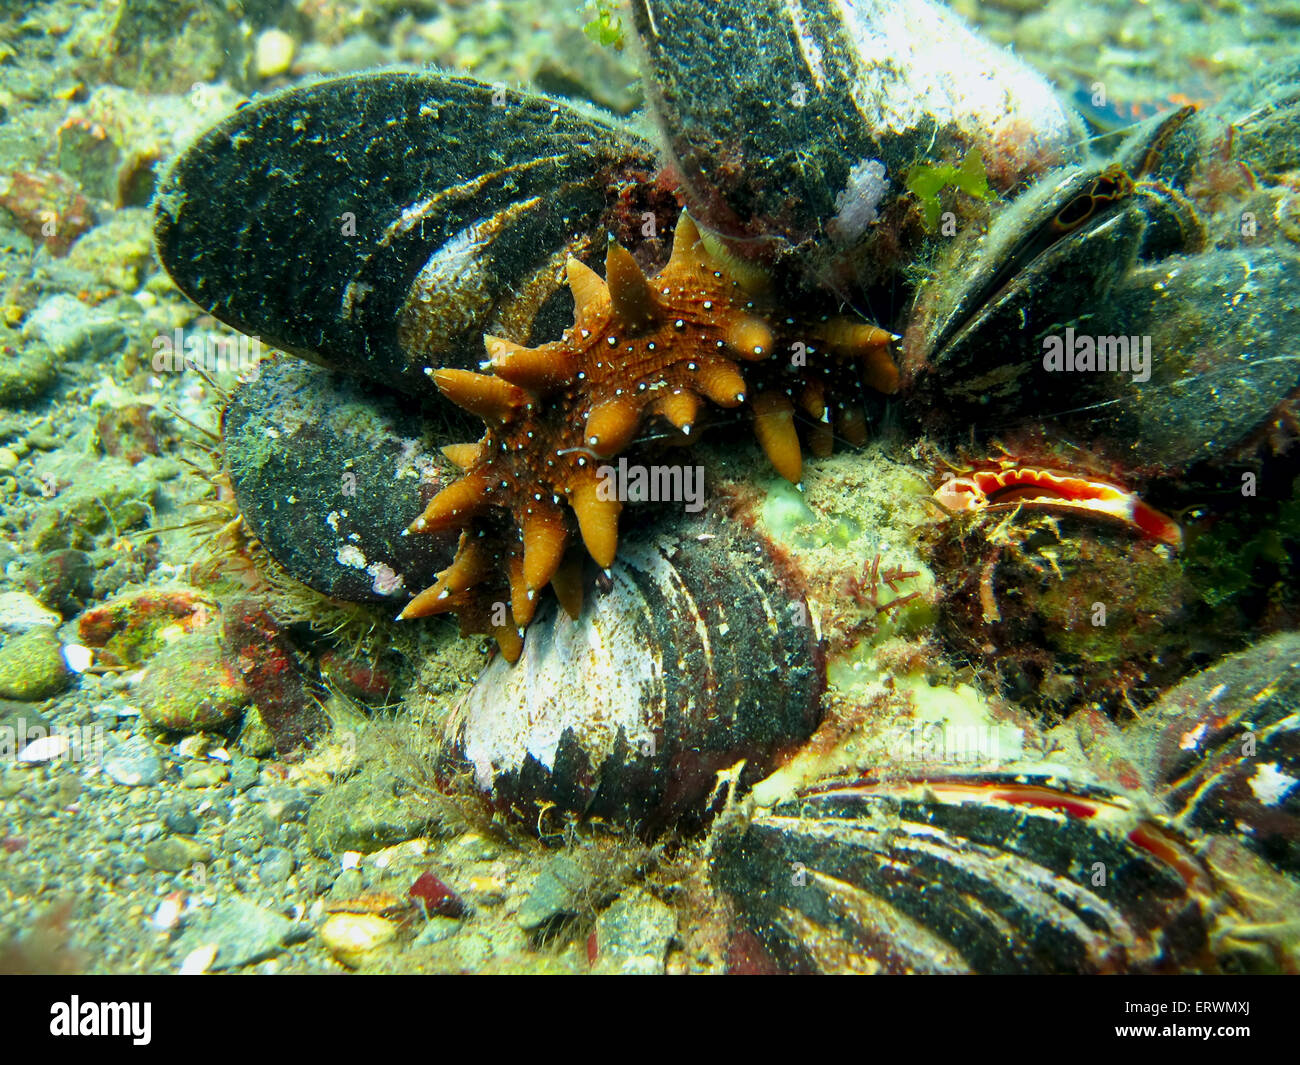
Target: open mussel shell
<point>701,653</point>
<point>793,126</point>
<point>1223,748</point>
<point>975,339</point>
<point>990,874</point>
<point>327,473</point>
<point>1138,305</point>
<point>382,223</point>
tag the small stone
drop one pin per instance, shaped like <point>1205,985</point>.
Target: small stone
<point>360,677</point>
<point>244,771</point>
<point>632,936</point>
<point>437,929</point>
<point>25,721</point>
<point>189,686</point>
<point>205,776</point>
<point>117,251</point>
<point>273,53</point>
<point>241,931</point>
<point>175,854</point>
<point>557,893</point>
<point>71,329</point>
<point>437,898</point>
<point>281,803</point>
<point>8,460</point>
<point>137,624</point>
<point>135,764</point>
<point>356,938</point>
<point>32,666</point>
<point>276,866</point>
<point>44,749</point>
<point>181,821</point>
<point>63,580</point>
<point>347,884</point>
<point>20,612</point>
<point>255,739</point>
<point>128,432</point>
<point>27,370</point>
<point>365,814</point>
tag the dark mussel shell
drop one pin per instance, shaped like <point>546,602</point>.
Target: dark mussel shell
<point>327,472</point>
<point>802,148</point>
<point>382,223</point>
<point>701,653</point>
<point>1168,247</point>
<point>1223,747</point>
<point>995,874</point>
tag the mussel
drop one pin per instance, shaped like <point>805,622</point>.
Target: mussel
<point>985,874</point>
<point>703,653</point>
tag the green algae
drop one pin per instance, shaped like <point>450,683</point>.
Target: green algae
<point>926,181</point>
<point>606,29</point>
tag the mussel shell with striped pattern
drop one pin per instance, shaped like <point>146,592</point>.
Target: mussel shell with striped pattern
<point>702,652</point>
<point>382,223</point>
<point>995,874</point>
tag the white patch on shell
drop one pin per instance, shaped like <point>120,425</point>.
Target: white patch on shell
<point>597,675</point>
<point>387,580</point>
<point>1270,784</point>
<point>918,59</point>
<point>856,205</point>
<point>350,555</point>
<point>1190,740</point>
<point>812,54</point>
<point>452,291</point>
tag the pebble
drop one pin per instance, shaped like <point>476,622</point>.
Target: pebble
<point>205,776</point>
<point>275,866</point>
<point>63,580</point>
<point>181,821</point>
<point>20,612</point>
<point>437,929</point>
<point>272,53</point>
<point>436,897</point>
<point>175,854</point>
<point>73,330</point>
<point>364,814</point>
<point>281,803</point>
<point>244,771</point>
<point>255,739</point>
<point>557,892</point>
<point>135,763</point>
<point>32,666</point>
<point>632,936</point>
<point>348,883</point>
<point>117,251</point>
<point>189,686</point>
<point>356,938</point>
<point>241,931</point>
<point>26,374</point>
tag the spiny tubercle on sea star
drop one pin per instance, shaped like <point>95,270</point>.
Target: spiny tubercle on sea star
<point>639,348</point>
